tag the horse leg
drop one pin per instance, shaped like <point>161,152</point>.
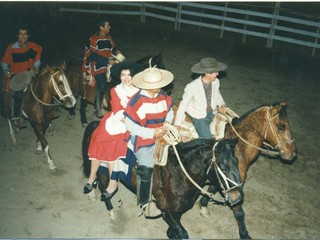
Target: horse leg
<point>204,201</point>
<point>239,216</point>
<point>71,113</point>
<point>38,130</point>
<point>83,115</point>
<point>175,230</point>
<point>103,184</point>
<point>12,133</point>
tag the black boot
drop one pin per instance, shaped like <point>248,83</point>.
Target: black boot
<point>99,96</point>
<point>143,192</point>
<point>16,110</point>
<point>17,103</point>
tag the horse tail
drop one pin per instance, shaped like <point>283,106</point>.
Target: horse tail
<point>86,165</point>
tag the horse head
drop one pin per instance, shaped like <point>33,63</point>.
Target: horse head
<point>225,169</point>
<point>60,88</point>
<point>278,132</point>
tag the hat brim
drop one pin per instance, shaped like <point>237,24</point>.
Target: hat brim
<point>21,81</point>
<point>115,70</point>
<point>167,78</point>
<point>197,68</point>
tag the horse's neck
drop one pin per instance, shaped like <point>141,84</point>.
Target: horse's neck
<point>41,88</point>
<point>251,129</point>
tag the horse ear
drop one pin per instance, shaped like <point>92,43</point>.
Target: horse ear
<point>282,104</point>
<point>277,108</point>
<point>63,65</point>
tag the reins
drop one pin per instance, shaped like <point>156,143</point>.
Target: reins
<point>263,150</point>
<point>61,96</point>
<point>173,139</point>
<point>172,142</point>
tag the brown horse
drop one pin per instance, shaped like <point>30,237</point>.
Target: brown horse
<point>80,86</point>
<point>177,185</point>
<point>269,124</point>
<point>40,100</point>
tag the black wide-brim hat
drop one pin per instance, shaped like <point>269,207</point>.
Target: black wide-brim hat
<point>135,67</point>
<point>208,65</point>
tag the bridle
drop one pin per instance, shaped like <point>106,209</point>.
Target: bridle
<point>172,140</point>
<point>222,178</point>
<point>270,125</point>
<point>64,80</point>
<point>280,144</point>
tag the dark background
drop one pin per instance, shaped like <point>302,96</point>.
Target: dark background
<point>63,35</point>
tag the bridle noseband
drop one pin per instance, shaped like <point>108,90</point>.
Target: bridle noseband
<point>263,150</point>
<point>276,136</point>
<point>62,78</point>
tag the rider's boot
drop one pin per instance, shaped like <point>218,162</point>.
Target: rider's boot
<point>17,103</point>
<point>99,96</point>
<point>148,206</point>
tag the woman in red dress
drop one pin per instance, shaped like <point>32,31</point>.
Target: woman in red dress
<point>108,143</point>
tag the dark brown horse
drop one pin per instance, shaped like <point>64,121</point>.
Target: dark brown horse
<point>176,189</point>
<point>269,124</point>
<point>47,91</point>
<point>80,86</point>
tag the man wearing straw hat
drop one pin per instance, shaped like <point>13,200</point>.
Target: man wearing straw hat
<point>146,113</point>
<point>202,98</point>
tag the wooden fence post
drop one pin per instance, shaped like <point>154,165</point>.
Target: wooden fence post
<point>223,21</point>
<point>273,24</point>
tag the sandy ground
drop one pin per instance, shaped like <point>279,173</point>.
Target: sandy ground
<point>281,200</point>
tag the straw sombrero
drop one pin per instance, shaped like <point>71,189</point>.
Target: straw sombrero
<point>208,65</point>
<point>20,81</point>
<point>152,78</point>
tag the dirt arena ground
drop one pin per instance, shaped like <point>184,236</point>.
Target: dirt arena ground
<point>281,200</point>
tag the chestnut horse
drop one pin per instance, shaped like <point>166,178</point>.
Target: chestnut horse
<point>269,124</point>
<point>80,87</point>
<point>176,188</point>
<point>47,91</point>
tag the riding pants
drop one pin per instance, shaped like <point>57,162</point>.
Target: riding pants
<point>202,125</point>
<point>17,102</point>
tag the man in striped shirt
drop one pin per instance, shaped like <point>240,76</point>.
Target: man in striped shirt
<point>20,56</point>
<point>146,113</point>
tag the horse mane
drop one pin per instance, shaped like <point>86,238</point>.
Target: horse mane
<point>194,143</point>
<point>282,112</point>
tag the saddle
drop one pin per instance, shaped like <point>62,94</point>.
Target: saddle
<point>172,137</point>
<point>21,81</point>
<point>187,132</point>
<point>218,125</point>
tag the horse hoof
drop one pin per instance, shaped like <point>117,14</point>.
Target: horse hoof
<point>204,212</point>
<point>13,139</point>
<point>92,195</point>
<point>70,116</point>
<point>53,169</point>
<point>112,214</point>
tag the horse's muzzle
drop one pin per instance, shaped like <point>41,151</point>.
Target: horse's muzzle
<point>69,102</point>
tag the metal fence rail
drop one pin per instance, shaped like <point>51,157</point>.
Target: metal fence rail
<point>272,24</point>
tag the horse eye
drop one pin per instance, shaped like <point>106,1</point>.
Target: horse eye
<point>282,127</point>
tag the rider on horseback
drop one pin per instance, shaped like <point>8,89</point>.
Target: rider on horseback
<point>100,54</point>
<point>202,98</point>
<point>19,57</point>
<point>146,113</point>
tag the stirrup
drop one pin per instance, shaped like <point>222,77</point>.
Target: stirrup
<point>150,210</point>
